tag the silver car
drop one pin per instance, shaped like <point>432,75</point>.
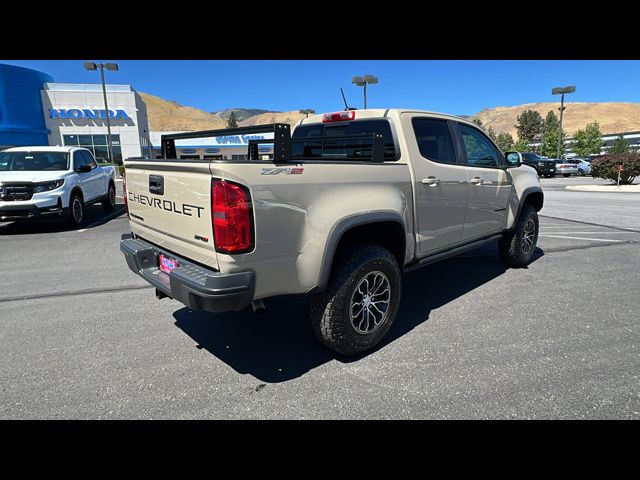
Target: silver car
<point>583,166</point>
<point>566,168</point>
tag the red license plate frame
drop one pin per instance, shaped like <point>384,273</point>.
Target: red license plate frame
<point>167,264</point>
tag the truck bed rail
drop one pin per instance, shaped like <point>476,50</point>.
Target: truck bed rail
<point>281,142</point>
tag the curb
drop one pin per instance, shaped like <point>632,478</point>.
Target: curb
<point>605,188</point>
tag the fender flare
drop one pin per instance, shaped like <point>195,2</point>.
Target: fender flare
<point>525,194</point>
<point>342,227</point>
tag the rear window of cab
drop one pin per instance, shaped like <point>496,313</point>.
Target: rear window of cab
<point>307,141</point>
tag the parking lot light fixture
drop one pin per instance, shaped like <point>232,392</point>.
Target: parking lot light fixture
<point>561,91</point>
<point>307,111</point>
<point>112,67</point>
<point>362,82</point>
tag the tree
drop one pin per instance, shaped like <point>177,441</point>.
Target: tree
<point>620,145</point>
<point>588,141</point>
<point>521,145</point>
<point>549,147</point>
<point>504,141</point>
<point>529,125</point>
<point>232,122</point>
<point>491,132</point>
<point>478,122</point>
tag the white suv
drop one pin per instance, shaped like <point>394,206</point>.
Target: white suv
<point>53,181</point>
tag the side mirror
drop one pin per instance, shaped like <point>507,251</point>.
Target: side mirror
<point>513,159</point>
<point>83,169</point>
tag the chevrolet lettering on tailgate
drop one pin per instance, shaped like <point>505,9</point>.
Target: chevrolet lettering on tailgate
<point>168,205</point>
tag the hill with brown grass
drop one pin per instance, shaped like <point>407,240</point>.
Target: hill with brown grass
<point>613,117</point>
<point>165,115</point>
<point>273,117</point>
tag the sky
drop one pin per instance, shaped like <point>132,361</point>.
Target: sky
<point>459,87</point>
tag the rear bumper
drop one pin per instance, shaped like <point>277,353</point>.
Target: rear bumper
<point>9,212</point>
<point>197,287</point>
<point>546,169</point>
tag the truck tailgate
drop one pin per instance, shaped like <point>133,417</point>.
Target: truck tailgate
<point>170,205</point>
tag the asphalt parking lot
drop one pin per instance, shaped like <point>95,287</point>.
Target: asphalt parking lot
<point>83,337</point>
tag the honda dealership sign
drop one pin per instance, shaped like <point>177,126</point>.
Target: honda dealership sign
<point>85,113</point>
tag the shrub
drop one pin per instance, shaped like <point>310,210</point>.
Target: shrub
<point>121,170</point>
<point>606,166</point>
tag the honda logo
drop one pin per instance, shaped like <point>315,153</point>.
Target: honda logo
<point>85,113</point>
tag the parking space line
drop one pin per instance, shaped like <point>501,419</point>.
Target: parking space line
<point>601,233</point>
<point>591,224</point>
<point>581,238</point>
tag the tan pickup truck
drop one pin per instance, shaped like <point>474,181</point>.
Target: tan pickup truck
<point>347,202</point>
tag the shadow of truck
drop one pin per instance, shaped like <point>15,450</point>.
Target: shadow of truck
<point>280,346</point>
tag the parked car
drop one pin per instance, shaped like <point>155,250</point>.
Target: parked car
<point>565,167</point>
<point>544,166</point>
<point>349,202</point>
<point>52,182</point>
<point>584,167</point>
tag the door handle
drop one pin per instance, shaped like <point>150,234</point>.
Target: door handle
<point>431,181</point>
<point>476,181</point>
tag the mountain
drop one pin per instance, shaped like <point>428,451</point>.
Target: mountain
<point>613,117</point>
<point>166,115</point>
<point>291,117</point>
<point>241,113</point>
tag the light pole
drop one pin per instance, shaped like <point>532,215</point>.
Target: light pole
<point>112,67</point>
<point>561,91</point>
<point>362,82</point>
<point>307,111</point>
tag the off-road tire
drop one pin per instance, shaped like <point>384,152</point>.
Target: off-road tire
<point>109,203</point>
<point>330,317</point>
<point>511,243</point>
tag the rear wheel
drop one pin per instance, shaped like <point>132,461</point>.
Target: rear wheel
<point>518,245</point>
<point>566,174</point>
<point>109,203</point>
<point>361,300</point>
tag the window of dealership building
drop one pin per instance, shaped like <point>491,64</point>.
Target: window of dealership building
<point>34,110</point>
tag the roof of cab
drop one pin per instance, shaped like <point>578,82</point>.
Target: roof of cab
<point>381,113</point>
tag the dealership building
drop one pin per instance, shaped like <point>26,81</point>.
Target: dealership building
<point>34,110</point>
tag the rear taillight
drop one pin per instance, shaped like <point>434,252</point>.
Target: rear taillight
<point>232,217</point>
<point>124,192</point>
<point>339,116</point>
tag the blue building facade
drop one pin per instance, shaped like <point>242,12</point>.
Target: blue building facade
<point>22,120</point>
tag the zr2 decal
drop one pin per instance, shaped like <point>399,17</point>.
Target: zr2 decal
<point>282,171</point>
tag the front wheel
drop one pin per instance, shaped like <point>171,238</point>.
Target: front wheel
<point>360,302</point>
<point>580,173</point>
<point>518,245</point>
<point>76,210</point>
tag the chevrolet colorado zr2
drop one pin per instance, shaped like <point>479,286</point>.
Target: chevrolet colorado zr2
<point>347,202</point>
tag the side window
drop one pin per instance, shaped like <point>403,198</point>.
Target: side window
<point>78,159</point>
<point>88,158</point>
<point>480,150</point>
<point>434,139</point>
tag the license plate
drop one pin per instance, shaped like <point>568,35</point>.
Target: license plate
<point>167,264</point>
<point>551,170</point>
